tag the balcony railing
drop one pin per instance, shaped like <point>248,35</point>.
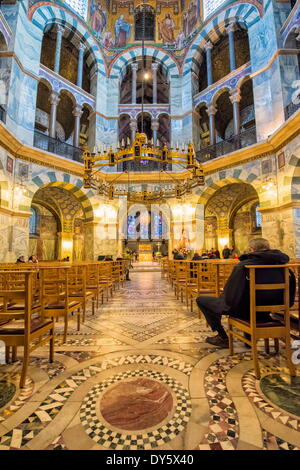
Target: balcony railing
<point>44,142</point>
<point>2,114</point>
<point>237,142</point>
<point>290,109</point>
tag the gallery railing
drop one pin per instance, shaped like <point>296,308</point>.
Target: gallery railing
<point>44,142</point>
<point>2,114</point>
<point>236,142</point>
<point>290,109</point>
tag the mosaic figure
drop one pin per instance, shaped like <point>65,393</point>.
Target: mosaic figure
<point>97,18</point>
<point>122,31</point>
<point>166,29</point>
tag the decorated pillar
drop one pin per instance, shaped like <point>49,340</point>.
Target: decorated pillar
<point>80,65</point>
<point>77,112</point>
<point>211,111</point>
<point>59,34</point>
<point>133,128</point>
<point>235,99</point>
<point>54,100</point>
<point>230,31</point>
<point>155,127</point>
<point>154,81</point>
<point>134,68</point>
<point>208,48</point>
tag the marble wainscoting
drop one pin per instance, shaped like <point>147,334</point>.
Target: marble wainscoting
<point>139,375</point>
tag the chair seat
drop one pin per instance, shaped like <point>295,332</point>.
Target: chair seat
<point>15,306</point>
<point>13,327</point>
<point>81,294</point>
<point>259,324</point>
<point>57,306</point>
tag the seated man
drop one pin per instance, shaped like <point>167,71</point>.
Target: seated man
<point>234,300</point>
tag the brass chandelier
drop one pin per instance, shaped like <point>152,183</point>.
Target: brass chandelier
<point>141,149</point>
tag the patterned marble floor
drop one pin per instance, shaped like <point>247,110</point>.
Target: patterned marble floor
<point>140,376</point>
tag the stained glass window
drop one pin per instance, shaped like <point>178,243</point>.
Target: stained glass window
<point>157,225</point>
<point>258,218</point>
<point>33,222</point>
<point>80,6</point>
<point>211,5</point>
<point>131,228</point>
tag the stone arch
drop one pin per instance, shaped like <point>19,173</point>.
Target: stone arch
<point>245,14</point>
<point>118,66</point>
<point>213,184</point>
<point>218,93</point>
<point>70,183</point>
<point>43,15</point>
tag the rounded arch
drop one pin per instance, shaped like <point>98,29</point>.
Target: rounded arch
<point>3,42</point>
<point>215,185</point>
<point>118,66</point>
<point>71,184</point>
<point>46,82</point>
<point>42,16</point>
<point>245,14</point>
<point>69,94</point>
<point>218,93</point>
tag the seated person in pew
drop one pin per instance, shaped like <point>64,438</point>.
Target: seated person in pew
<point>234,301</point>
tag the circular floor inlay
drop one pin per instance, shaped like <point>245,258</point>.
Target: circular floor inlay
<point>136,404</point>
<point>283,391</point>
<point>7,391</point>
<point>170,423</point>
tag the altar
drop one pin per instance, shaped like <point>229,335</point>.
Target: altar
<point>145,252</point>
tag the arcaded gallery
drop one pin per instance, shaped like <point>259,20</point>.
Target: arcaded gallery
<point>150,226</point>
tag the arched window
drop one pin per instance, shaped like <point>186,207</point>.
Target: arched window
<point>33,220</point>
<point>258,217</point>
<point>149,15</point>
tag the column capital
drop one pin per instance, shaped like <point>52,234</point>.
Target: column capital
<point>298,37</point>
<point>208,46</point>
<point>60,28</point>
<point>54,98</point>
<point>82,47</point>
<point>235,96</point>
<point>211,109</point>
<point>77,110</point>
<point>133,124</point>
<point>154,66</point>
<point>134,66</point>
<point>230,28</point>
<point>155,124</point>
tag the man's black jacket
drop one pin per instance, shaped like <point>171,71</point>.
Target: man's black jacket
<point>236,290</point>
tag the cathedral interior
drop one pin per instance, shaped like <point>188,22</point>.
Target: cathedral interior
<point>132,130</point>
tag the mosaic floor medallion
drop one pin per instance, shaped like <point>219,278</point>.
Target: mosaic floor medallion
<point>7,391</point>
<point>174,403</point>
<point>136,404</point>
<point>283,391</point>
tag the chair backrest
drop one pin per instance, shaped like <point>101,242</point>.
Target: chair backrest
<point>21,298</point>
<point>270,297</point>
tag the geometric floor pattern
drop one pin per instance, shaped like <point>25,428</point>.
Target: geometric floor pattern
<point>143,332</point>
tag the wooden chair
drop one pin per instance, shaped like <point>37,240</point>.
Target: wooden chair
<point>92,281</point>
<point>257,329</point>
<point>20,325</point>
<point>78,288</point>
<point>105,277</point>
<point>205,281</point>
<point>55,295</point>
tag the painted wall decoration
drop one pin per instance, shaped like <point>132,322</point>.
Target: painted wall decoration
<point>166,29</point>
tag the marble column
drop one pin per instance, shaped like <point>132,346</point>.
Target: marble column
<point>154,82</point>
<point>133,128</point>
<point>80,65</point>
<point>134,68</point>
<point>235,99</point>
<point>155,127</point>
<point>77,112</point>
<point>54,100</point>
<point>230,31</point>
<point>208,48</point>
<point>211,111</point>
<point>59,35</point>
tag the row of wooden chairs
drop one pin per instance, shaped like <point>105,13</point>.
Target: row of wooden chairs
<point>191,279</point>
<point>33,296</point>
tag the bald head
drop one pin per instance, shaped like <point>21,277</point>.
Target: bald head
<point>259,244</point>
